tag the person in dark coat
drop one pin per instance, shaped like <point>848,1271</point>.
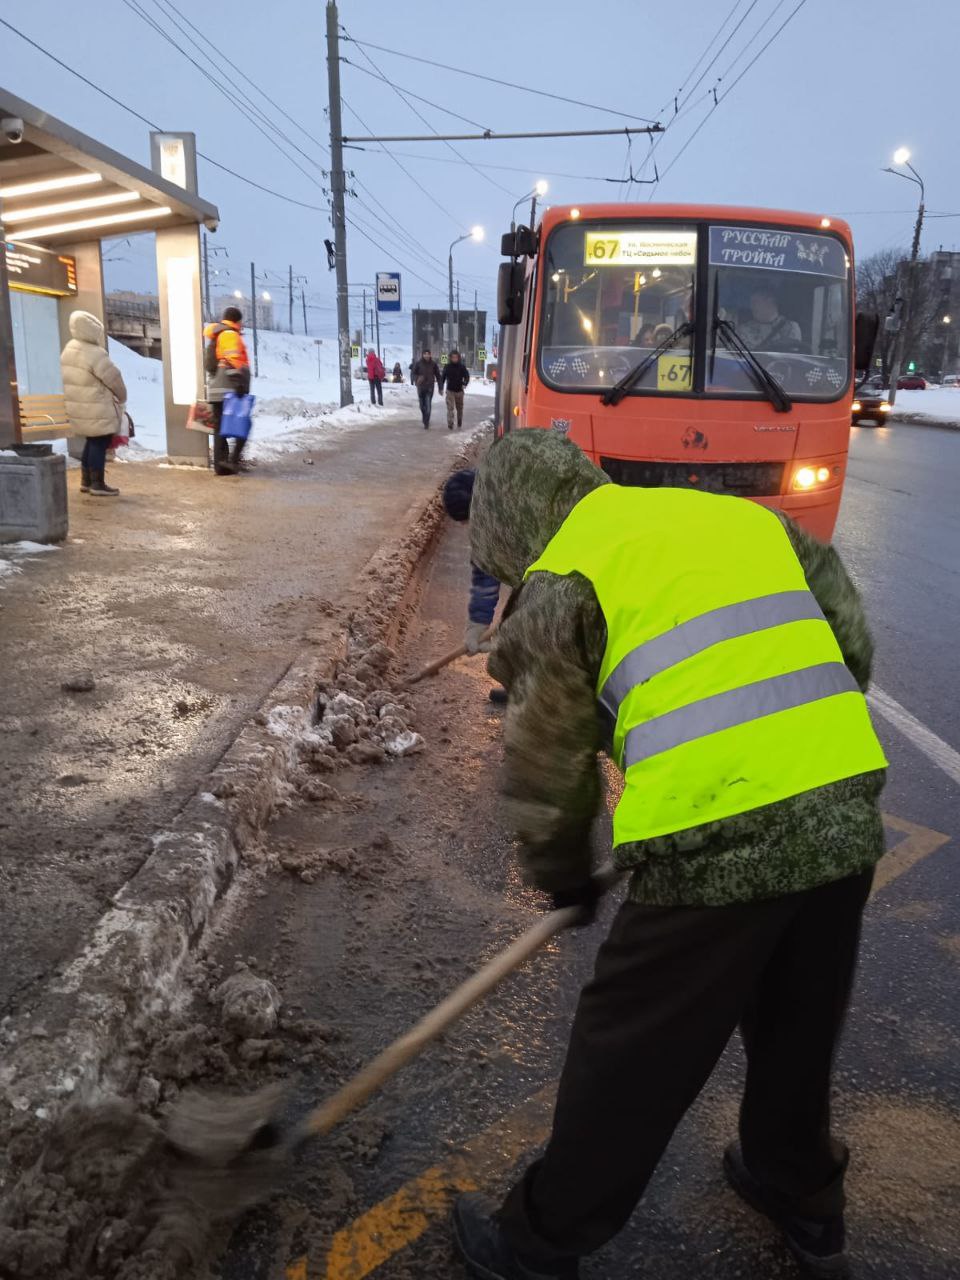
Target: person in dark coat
<point>425,375</point>
<point>454,379</point>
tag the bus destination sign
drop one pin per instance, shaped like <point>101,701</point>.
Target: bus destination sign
<point>635,247</point>
<point>33,270</point>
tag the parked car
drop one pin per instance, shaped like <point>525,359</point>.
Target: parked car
<point>869,406</point>
<point>912,382</point>
<point>951,380</point>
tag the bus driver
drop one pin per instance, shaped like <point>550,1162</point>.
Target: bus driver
<point>768,330</point>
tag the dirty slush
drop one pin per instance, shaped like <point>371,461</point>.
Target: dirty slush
<point>101,1193</point>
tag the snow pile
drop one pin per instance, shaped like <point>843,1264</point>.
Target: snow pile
<point>297,390</point>
<point>17,552</point>
<point>935,404</point>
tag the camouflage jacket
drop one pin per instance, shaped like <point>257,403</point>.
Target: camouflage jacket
<point>548,655</point>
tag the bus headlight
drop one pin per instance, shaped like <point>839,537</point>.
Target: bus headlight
<point>814,476</point>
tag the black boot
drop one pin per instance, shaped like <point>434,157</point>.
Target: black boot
<point>84,479</point>
<point>99,488</point>
<point>486,1252</point>
<point>816,1243</point>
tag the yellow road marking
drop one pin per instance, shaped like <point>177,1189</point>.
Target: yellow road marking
<point>400,1220</point>
<point>919,843</point>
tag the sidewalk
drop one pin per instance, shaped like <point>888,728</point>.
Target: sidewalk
<point>186,600</point>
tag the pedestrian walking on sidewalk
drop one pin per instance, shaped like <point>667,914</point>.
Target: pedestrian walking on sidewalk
<point>95,399</point>
<point>425,375</point>
<point>375,374</point>
<point>484,589</point>
<point>228,370</point>
<point>454,379</point>
<point>721,655</point>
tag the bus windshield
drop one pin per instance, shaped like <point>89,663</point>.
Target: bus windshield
<point>613,294</point>
<point>785,294</point>
<point>615,291</point>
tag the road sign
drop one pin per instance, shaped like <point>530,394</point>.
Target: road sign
<point>354,351</point>
<point>482,355</point>
<point>388,290</point>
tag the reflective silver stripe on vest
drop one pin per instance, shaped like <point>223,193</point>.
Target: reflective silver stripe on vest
<point>736,706</point>
<point>726,623</point>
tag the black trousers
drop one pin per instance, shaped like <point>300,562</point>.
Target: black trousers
<point>376,391</point>
<point>670,987</point>
<point>221,444</point>
<point>94,456</point>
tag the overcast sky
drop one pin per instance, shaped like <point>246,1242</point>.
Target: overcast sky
<point>810,126</point>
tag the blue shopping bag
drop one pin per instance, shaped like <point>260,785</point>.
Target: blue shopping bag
<point>237,415</point>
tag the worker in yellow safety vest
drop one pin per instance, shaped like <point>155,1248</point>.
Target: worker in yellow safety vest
<point>721,656</point>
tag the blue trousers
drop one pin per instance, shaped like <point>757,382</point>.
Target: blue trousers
<point>426,404</point>
<point>94,456</point>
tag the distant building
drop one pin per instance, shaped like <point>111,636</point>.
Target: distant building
<point>941,351</point>
<point>264,309</point>
<point>430,330</point>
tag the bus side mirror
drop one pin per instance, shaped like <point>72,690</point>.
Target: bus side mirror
<point>521,243</point>
<point>510,293</point>
<point>865,338</point>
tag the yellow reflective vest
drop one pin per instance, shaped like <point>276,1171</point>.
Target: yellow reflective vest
<point>724,682</point>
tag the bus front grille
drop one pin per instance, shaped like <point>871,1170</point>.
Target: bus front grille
<point>740,479</point>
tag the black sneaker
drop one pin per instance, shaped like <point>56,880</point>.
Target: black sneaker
<point>484,1249</point>
<point>498,696</point>
<point>816,1243</point>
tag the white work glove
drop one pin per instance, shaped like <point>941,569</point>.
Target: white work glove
<point>473,638</point>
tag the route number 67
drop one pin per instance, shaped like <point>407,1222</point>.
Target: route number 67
<point>603,250</point>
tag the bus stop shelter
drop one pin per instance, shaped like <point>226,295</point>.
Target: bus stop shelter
<point>61,194</point>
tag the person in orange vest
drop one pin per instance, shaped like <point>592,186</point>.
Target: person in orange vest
<point>228,369</point>
<point>375,374</point>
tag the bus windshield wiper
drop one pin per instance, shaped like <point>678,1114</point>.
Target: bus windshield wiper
<point>614,394</point>
<point>764,380</point>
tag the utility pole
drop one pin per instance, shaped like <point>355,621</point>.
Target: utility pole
<point>303,299</point>
<point>375,312</point>
<point>290,287</point>
<point>253,306</point>
<point>337,191</point>
<point>476,336</point>
<point>207,309</point>
<point>365,319</point>
<point>906,314</point>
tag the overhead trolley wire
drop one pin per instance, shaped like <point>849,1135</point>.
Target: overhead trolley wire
<point>152,124</point>
<point>507,84</point>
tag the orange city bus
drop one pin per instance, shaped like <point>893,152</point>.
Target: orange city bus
<point>688,345</point>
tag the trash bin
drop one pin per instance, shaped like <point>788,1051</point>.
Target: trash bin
<point>33,494</point>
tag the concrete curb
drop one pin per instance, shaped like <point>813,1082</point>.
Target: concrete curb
<point>72,1045</point>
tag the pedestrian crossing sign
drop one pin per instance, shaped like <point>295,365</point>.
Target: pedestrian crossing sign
<point>482,354</point>
<point>355,351</point>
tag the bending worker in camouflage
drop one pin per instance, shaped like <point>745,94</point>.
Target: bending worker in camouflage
<point>720,654</point>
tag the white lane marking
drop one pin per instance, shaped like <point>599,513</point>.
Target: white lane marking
<point>934,748</point>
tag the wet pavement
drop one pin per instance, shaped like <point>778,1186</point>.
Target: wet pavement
<point>368,948</point>
<point>186,599</point>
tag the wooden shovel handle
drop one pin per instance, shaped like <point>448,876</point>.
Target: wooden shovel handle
<point>438,664</point>
<point>386,1064</point>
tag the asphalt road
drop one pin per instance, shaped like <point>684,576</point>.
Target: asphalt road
<point>368,950</point>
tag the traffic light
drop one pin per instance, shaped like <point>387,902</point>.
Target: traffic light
<point>911,366</point>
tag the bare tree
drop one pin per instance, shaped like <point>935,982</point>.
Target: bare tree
<point>881,278</point>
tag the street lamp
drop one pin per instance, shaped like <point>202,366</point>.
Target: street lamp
<point>475,233</point>
<point>901,157</point>
<point>540,188</point>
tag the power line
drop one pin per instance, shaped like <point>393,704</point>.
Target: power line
<point>406,266</point>
<point>286,114</point>
<point>430,196</point>
<point>790,16</point>
<point>407,235</point>
<point>506,84</point>
<point>408,93</point>
<point>504,168</point>
<point>237,100</point>
<point>420,116</point>
<point>152,124</point>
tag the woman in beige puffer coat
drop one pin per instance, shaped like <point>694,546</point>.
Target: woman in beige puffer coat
<point>95,396</point>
